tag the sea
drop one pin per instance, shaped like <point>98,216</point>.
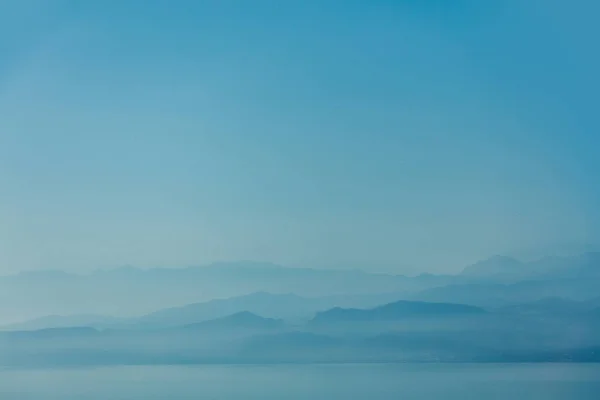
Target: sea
<point>307,382</point>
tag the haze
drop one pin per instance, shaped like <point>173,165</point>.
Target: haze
<point>397,136</point>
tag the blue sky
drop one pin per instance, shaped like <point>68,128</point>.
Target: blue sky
<point>386,135</point>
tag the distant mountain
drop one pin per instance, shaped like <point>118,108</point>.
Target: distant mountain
<point>562,249</point>
<point>52,333</point>
<point>549,306</point>
<point>500,294</point>
<point>584,266</point>
<point>134,291</point>
<point>262,303</point>
<point>497,266</point>
<point>289,307</point>
<point>396,311</point>
<point>130,292</point>
<point>507,269</point>
<point>242,320</point>
<point>68,321</point>
<point>445,333</point>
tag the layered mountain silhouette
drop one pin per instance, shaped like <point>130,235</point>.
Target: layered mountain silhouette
<point>52,333</point>
<point>244,320</point>
<point>501,294</point>
<point>195,294</point>
<point>496,267</point>
<point>550,306</point>
<point>507,269</point>
<point>66,321</point>
<point>261,303</point>
<point>392,332</point>
<point>134,291</point>
<point>280,306</point>
<point>396,311</point>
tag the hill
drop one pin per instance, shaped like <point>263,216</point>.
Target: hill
<point>396,311</point>
<point>240,321</point>
<point>509,270</point>
<point>65,321</point>
<point>501,294</point>
<point>262,303</point>
<point>135,291</point>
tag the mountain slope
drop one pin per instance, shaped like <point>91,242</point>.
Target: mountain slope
<point>549,306</point>
<point>497,266</point>
<point>498,294</point>
<point>507,269</point>
<point>65,321</point>
<point>242,320</point>
<point>262,303</point>
<point>396,311</point>
<point>136,291</point>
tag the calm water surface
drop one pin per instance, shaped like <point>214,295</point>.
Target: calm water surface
<point>304,382</point>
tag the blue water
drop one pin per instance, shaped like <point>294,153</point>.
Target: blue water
<point>304,382</point>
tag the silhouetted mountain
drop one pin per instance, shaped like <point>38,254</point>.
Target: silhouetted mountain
<point>550,306</point>
<point>135,291</point>
<point>282,306</point>
<point>262,303</point>
<point>506,269</point>
<point>458,333</point>
<point>584,266</point>
<point>396,311</point>
<point>560,249</point>
<point>498,295</point>
<point>495,267</point>
<point>52,333</point>
<point>67,321</point>
<point>240,320</point>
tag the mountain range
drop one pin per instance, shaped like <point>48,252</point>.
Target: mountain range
<point>396,311</point>
<point>391,332</point>
<point>129,292</point>
<point>509,270</point>
<point>163,297</point>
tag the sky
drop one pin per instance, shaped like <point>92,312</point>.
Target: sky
<point>383,135</point>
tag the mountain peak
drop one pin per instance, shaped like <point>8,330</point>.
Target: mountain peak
<point>396,311</point>
<point>493,266</point>
<point>242,319</point>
